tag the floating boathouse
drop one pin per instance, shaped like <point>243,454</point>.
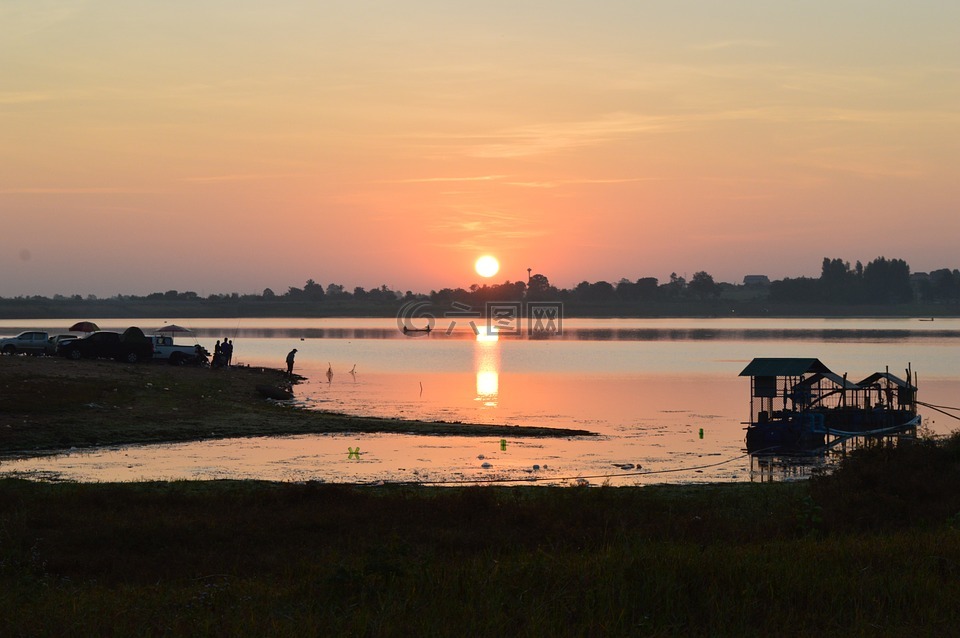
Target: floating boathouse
<point>799,406</point>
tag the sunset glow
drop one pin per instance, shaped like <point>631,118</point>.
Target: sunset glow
<point>264,144</point>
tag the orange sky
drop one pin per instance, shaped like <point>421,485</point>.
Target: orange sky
<point>232,146</point>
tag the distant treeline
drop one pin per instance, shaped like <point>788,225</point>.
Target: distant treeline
<point>881,287</point>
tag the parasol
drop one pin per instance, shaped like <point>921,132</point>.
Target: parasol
<point>173,328</point>
<point>84,326</point>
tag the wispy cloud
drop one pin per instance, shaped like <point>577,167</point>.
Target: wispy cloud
<point>424,180</point>
<point>22,23</point>
<point>69,190</point>
<point>733,44</point>
<point>505,179</point>
<point>23,97</point>
<point>239,177</point>
<point>561,137</point>
<point>475,229</point>
<point>541,139</point>
<point>537,139</point>
<point>578,182</point>
<point>870,163</point>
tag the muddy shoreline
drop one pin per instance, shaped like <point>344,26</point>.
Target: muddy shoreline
<point>49,405</point>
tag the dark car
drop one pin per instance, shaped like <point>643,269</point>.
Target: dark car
<point>131,346</point>
<point>54,342</point>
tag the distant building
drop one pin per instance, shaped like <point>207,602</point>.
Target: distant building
<point>756,280</point>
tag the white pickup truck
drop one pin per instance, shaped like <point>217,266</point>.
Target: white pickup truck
<point>164,349</point>
<point>32,342</point>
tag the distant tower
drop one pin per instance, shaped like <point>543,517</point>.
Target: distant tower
<point>529,274</point>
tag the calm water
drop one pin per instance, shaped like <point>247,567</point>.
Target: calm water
<point>663,395</point>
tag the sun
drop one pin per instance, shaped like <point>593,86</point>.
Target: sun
<point>487,266</point>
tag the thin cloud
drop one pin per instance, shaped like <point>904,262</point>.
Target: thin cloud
<point>479,228</point>
<point>733,44</point>
<point>240,177</point>
<point>578,182</point>
<point>24,24</point>
<point>425,180</point>
<point>23,97</point>
<point>546,138</point>
<point>58,190</point>
<point>869,163</point>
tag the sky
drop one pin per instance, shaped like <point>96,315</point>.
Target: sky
<point>221,146</point>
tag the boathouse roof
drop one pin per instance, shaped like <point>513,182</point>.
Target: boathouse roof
<point>833,377</point>
<point>892,378</point>
<point>783,367</point>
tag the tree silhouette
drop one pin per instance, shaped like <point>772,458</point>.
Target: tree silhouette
<point>702,285</point>
<point>887,281</point>
<point>837,282</point>
<point>675,287</point>
<point>539,288</point>
<point>312,290</point>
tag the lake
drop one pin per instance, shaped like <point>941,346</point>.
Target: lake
<point>663,395</point>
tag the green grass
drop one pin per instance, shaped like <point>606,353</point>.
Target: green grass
<point>872,549</point>
<point>255,559</point>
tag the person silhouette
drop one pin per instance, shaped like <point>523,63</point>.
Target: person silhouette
<point>290,357</point>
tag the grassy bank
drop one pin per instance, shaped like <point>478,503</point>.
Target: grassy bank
<point>258,559</point>
<point>873,549</point>
<point>51,404</point>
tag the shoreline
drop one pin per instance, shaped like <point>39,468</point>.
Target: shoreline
<point>54,405</point>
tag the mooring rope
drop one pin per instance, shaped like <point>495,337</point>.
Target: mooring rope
<point>941,409</point>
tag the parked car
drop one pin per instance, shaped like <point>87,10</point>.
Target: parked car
<point>131,346</point>
<point>164,349</point>
<point>32,342</point>
<point>53,343</point>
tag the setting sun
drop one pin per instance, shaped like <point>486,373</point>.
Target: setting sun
<point>487,266</point>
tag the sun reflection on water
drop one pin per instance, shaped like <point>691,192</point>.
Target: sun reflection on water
<point>647,397</point>
<point>486,357</point>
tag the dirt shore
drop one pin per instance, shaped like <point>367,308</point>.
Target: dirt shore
<point>49,404</point>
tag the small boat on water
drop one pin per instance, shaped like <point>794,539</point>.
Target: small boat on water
<point>798,406</point>
<point>428,329</point>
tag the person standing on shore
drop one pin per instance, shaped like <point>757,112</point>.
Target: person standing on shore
<point>290,357</point>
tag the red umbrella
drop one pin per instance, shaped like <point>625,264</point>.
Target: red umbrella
<point>84,326</point>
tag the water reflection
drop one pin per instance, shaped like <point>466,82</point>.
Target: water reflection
<point>602,334</point>
<point>486,362</point>
<point>832,330</point>
<point>646,386</point>
<point>648,399</point>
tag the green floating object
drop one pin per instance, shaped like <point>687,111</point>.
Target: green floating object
<point>503,445</point>
<point>701,433</point>
<point>354,453</point>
